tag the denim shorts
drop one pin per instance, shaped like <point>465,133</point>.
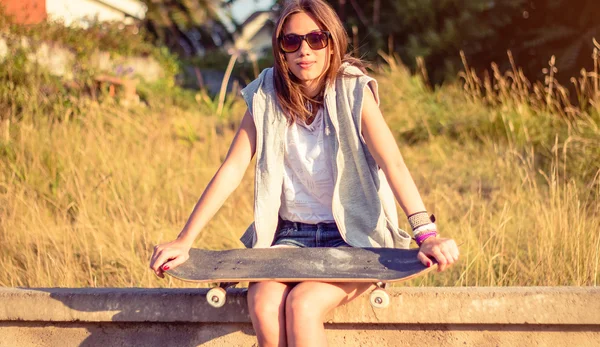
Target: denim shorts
<point>298,234</point>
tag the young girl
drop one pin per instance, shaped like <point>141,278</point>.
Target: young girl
<point>327,172</point>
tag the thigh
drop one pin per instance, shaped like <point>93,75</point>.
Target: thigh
<point>327,296</point>
<point>269,293</point>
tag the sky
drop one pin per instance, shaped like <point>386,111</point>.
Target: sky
<point>242,9</point>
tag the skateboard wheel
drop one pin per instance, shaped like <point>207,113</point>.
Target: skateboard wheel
<point>216,297</point>
<point>379,298</point>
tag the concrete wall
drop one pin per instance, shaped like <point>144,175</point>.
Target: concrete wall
<point>70,11</point>
<point>531,316</point>
<point>105,10</point>
<point>62,62</point>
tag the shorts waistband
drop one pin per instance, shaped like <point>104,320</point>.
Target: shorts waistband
<point>305,226</point>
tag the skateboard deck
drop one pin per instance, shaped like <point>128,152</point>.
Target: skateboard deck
<point>342,264</point>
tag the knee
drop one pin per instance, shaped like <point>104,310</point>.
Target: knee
<point>264,306</point>
<point>301,307</point>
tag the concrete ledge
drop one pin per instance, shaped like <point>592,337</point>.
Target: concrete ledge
<point>475,305</point>
<point>441,316</point>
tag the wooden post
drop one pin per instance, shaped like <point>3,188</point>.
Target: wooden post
<point>223,91</point>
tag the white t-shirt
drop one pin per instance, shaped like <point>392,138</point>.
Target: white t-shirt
<point>308,173</point>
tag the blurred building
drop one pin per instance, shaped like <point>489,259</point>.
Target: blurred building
<point>254,35</point>
<point>25,11</point>
<point>75,11</point>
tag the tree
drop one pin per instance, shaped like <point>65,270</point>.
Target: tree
<point>484,29</point>
<point>557,27</point>
<point>187,27</point>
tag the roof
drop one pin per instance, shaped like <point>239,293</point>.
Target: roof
<point>251,27</point>
<point>133,8</point>
<point>252,17</point>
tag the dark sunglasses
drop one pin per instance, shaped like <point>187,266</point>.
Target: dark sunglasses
<point>292,42</point>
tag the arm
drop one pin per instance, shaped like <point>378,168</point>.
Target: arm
<point>382,146</point>
<point>223,183</point>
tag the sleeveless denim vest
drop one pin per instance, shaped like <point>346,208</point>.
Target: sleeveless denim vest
<point>363,203</point>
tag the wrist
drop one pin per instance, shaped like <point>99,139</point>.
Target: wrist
<point>185,240</point>
<point>428,239</point>
<point>423,226</point>
<point>423,237</point>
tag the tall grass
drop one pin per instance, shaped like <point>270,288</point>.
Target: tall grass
<point>88,187</point>
<point>513,176</point>
<point>83,202</point>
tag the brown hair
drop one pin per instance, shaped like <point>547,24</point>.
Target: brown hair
<point>287,87</point>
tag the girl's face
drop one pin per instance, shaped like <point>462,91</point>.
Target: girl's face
<point>306,64</point>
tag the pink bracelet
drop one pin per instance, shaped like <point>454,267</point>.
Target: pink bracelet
<point>424,236</point>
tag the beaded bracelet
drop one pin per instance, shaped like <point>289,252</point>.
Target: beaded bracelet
<point>419,219</point>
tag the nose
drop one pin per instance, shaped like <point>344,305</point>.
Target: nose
<point>304,48</point>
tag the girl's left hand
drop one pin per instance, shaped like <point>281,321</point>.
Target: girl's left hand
<point>444,251</point>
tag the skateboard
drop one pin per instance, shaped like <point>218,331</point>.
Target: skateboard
<point>342,264</point>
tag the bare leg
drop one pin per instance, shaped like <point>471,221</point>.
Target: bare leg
<point>308,303</point>
<point>266,303</point>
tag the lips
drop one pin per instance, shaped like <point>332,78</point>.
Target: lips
<point>306,64</point>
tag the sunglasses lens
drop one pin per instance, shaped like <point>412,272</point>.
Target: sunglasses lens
<point>317,40</point>
<point>291,43</point>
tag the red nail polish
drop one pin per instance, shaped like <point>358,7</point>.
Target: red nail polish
<point>428,264</point>
<point>166,267</point>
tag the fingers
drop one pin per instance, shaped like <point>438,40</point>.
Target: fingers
<point>454,250</point>
<point>171,264</point>
<point>424,259</point>
<point>441,259</point>
<point>444,251</point>
<point>154,255</point>
<point>163,255</point>
<point>154,265</point>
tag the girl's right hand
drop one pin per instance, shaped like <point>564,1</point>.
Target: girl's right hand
<point>168,256</point>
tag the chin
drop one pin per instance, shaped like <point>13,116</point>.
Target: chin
<point>306,76</point>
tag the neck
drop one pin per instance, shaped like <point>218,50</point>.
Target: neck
<point>310,88</point>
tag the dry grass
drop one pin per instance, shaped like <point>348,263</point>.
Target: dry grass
<point>512,170</point>
<point>83,200</point>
